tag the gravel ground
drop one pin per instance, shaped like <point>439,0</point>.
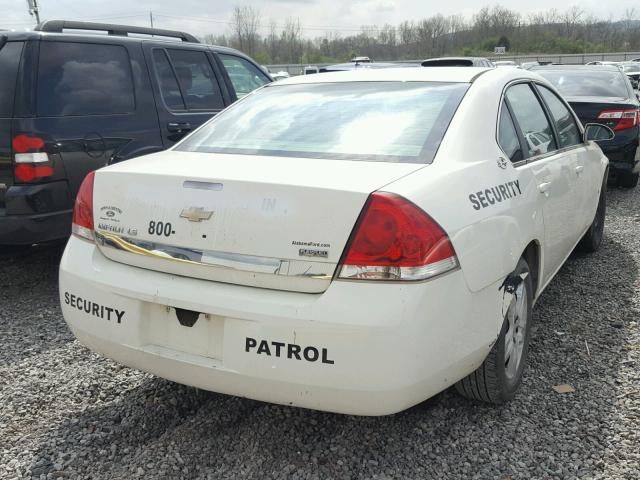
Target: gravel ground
<point>68,413</point>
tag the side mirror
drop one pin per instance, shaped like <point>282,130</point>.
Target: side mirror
<point>597,131</point>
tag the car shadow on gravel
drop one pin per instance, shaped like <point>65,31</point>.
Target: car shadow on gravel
<point>30,317</point>
<point>158,429</point>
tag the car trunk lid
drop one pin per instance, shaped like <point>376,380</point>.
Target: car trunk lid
<point>268,222</point>
<point>588,108</point>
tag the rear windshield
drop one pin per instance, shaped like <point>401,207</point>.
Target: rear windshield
<point>588,83</point>
<point>448,63</point>
<point>368,121</point>
<point>631,68</point>
<point>9,60</point>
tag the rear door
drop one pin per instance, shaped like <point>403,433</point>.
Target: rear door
<point>94,104</point>
<point>553,170</point>
<point>584,161</point>
<point>10,53</point>
<point>187,86</point>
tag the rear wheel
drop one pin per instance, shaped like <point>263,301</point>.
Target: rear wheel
<point>498,378</point>
<point>628,180</point>
<point>593,238</point>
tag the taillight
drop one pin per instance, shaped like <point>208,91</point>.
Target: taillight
<point>31,164</point>
<point>396,240</point>
<point>623,118</point>
<point>82,224</point>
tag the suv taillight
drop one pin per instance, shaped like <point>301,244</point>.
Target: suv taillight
<point>31,163</point>
<point>82,223</point>
<point>624,118</point>
<point>396,240</point>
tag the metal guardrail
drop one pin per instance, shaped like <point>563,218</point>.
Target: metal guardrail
<point>567,59</point>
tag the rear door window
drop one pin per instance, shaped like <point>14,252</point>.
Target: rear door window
<point>244,75</point>
<point>84,79</point>
<point>568,131</point>
<point>9,60</point>
<point>533,122</point>
<point>168,82</point>
<point>198,84</point>
<point>508,137</point>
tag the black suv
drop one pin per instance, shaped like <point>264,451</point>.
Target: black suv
<point>73,100</point>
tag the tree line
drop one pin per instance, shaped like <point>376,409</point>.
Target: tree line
<point>574,30</point>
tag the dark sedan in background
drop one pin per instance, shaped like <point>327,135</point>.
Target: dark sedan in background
<point>603,94</point>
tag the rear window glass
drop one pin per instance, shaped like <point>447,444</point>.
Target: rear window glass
<point>448,63</point>
<point>368,121</point>
<point>9,60</point>
<point>84,79</point>
<point>588,83</point>
<point>631,68</point>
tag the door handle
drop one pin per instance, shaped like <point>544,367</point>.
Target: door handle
<point>179,127</point>
<point>579,169</point>
<point>544,187</point>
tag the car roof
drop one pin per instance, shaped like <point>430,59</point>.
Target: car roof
<point>422,74</point>
<point>588,68</point>
<point>354,66</point>
<point>96,38</point>
<point>454,58</point>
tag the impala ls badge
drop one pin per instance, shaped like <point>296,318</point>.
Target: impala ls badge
<point>196,214</point>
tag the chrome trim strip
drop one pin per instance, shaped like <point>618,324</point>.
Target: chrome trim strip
<point>202,185</point>
<point>216,259</point>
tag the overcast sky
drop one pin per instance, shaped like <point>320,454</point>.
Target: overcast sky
<point>316,16</point>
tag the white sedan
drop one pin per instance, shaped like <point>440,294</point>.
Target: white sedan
<point>352,242</point>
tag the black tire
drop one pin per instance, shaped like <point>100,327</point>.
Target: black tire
<point>592,240</point>
<point>490,382</point>
<point>628,180</point>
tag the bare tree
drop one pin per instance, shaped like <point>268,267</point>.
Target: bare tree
<point>571,19</point>
<point>245,25</point>
<point>291,38</point>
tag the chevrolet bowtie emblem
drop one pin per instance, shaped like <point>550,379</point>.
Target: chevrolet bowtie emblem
<point>196,214</point>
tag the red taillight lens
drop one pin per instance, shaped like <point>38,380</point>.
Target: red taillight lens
<point>26,172</point>
<point>623,118</point>
<point>31,164</point>
<point>25,143</point>
<point>395,240</point>
<point>82,225</point>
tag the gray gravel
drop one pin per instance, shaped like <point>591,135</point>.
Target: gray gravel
<point>67,413</point>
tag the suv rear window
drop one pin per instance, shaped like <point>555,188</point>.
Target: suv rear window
<point>9,60</point>
<point>367,121</point>
<point>84,79</point>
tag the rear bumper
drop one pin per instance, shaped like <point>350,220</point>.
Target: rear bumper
<point>357,348</point>
<point>35,213</point>
<point>29,229</point>
<point>623,158</point>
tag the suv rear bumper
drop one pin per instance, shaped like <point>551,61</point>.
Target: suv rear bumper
<point>29,229</point>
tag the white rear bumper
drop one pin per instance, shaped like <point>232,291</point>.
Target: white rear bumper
<point>358,348</point>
